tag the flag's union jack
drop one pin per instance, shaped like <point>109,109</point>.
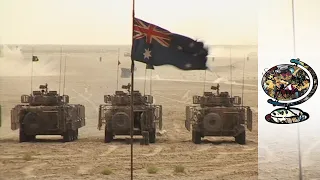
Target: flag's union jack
<point>151,32</point>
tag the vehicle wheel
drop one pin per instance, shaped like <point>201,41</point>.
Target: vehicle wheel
<point>108,136</point>
<point>22,136</point>
<point>31,137</point>
<point>241,138</point>
<point>145,136</point>
<point>196,137</point>
<point>77,134</point>
<point>73,135</point>
<point>142,141</point>
<point>67,136</point>
<point>152,136</point>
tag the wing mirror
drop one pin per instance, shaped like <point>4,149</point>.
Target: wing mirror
<point>107,98</point>
<point>237,100</point>
<point>65,98</point>
<point>196,99</point>
<point>149,99</point>
<point>25,99</point>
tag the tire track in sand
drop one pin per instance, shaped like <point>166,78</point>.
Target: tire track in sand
<point>174,132</point>
<point>218,150</point>
<point>84,169</point>
<point>29,169</point>
<point>223,153</point>
<point>111,148</point>
<point>204,147</point>
<point>156,151</point>
<point>88,100</point>
<point>230,169</point>
<point>176,127</point>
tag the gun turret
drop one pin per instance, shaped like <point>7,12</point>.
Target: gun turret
<point>210,99</point>
<point>216,88</point>
<point>44,97</point>
<point>120,98</point>
<point>44,88</point>
<point>127,87</point>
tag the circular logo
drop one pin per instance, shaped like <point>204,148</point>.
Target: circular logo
<point>289,82</point>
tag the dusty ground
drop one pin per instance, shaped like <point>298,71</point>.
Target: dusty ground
<point>216,158</point>
<point>86,158</point>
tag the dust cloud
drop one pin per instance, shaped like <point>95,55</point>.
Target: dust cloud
<point>14,63</point>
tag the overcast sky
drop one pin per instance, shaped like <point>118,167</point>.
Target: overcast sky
<point>109,21</point>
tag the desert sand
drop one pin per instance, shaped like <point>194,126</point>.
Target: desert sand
<point>86,158</point>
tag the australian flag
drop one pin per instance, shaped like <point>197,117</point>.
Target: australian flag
<point>156,46</point>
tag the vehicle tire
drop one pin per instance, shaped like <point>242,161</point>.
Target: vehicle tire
<point>142,141</point>
<point>108,136</point>
<point>22,136</point>
<point>76,134</point>
<point>67,136</point>
<point>31,137</point>
<point>145,136</point>
<point>241,138</point>
<point>73,135</point>
<point>196,137</point>
<point>152,136</point>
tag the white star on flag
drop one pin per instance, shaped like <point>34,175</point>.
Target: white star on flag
<point>188,65</point>
<point>147,53</point>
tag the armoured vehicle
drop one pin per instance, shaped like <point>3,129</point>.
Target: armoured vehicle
<point>115,115</point>
<point>218,115</point>
<point>47,113</point>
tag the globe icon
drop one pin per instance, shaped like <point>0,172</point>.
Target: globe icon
<point>289,85</point>
<point>285,82</point>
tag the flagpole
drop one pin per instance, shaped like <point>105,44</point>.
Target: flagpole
<point>118,68</point>
<point>150,82</point>
<point>132,88</point>
<point>60,68</point>
<point>230,73</point>
<point>244,62</point>
<point>145,80</point>
<point>64,75</point>
<point>31,68</point>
